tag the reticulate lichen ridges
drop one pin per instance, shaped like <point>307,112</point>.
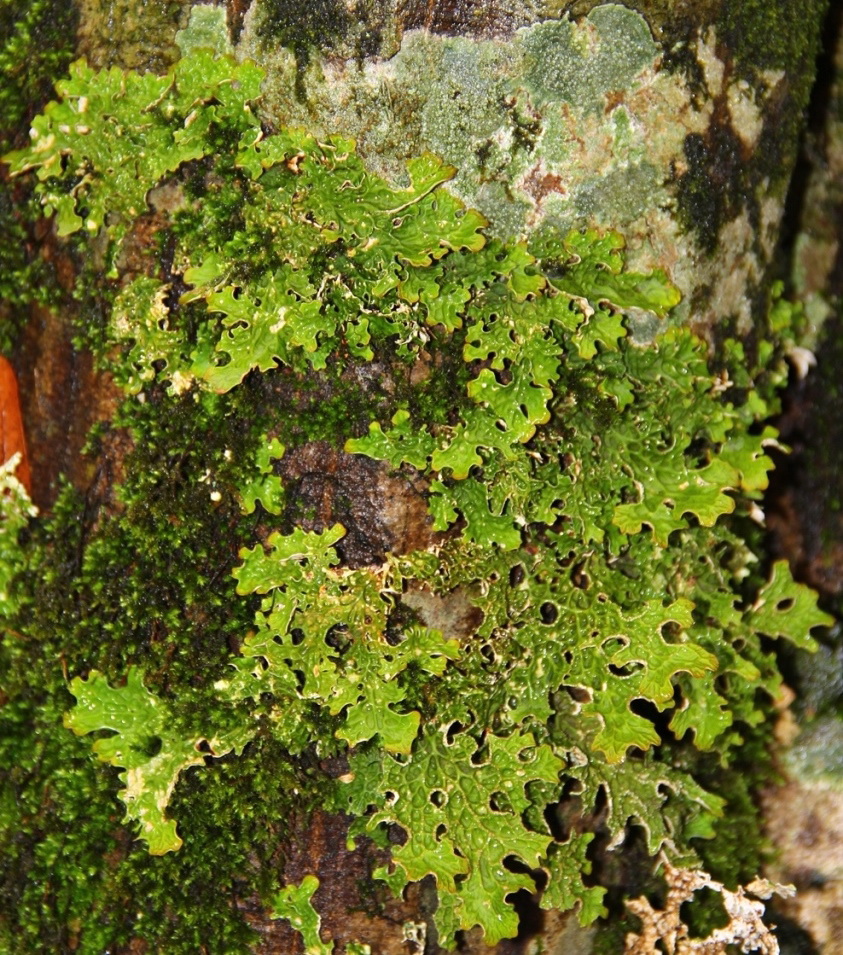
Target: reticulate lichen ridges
<point>586,490</point>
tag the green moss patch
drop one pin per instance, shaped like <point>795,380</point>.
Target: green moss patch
<point>231,619</point>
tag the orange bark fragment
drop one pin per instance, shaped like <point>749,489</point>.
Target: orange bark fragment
<point>12,438</point>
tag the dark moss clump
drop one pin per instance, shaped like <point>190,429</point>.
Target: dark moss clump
<point>59,821</point>
<point>106,577</point>
<point>235,812</point>
<point>761,36</point>
<point>36,45</point>
<point>142,575</point>
<point>303,28</point>
<point>343,399</point>
<point>72,878</point>
<point>326,405</point>
<point>113,570</point>
<point>713,190</point>
<point>22,279</point>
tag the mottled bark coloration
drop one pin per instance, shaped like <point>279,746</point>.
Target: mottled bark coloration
<point>559,122</point>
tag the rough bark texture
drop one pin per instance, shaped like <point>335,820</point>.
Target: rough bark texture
<point>807,523</point>
<point>677,129</point>
<point>675,123</point>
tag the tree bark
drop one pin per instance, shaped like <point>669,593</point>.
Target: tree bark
<point>675,124</point>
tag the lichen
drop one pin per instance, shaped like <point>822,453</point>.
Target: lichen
<point>206,28</point>
<point>130,35</point>
<point>511,115</point>
<point>665,927</point>
<point>530,117</point>
<point>581,64</point>
<point>575,472</point>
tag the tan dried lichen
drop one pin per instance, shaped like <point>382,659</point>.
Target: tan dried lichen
<point>745,929</point>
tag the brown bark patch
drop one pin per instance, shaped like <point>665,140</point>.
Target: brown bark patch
<point>381,512</point>
<point>351,905</point>
<point>805,501</point>
<point>539,183</point>
<point>62,396</point>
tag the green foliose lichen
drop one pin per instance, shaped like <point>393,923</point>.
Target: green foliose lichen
<point>515,113</point>
<point>586,495</point>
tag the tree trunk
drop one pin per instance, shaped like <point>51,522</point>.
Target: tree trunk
<point>158,471</point>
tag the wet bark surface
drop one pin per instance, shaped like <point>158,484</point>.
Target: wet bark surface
<point>806,497</point>
<point>381,513</point>
<point>62,397</point>
<point>806,519</point>
<point>351,904</point>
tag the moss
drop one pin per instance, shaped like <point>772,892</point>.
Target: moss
<point>21,278</point>
<point>119,605</point>
<point>758,46</point>
<point>761,37</point>
<point>72,880</point>
<point>319,27</point>
<point>36,48</point>
<point>298,299</point>
<point>137,36</point>
<point>153,586</point>
<point>196,899</point>
<point>58,822</point>
<point>741,850</point>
